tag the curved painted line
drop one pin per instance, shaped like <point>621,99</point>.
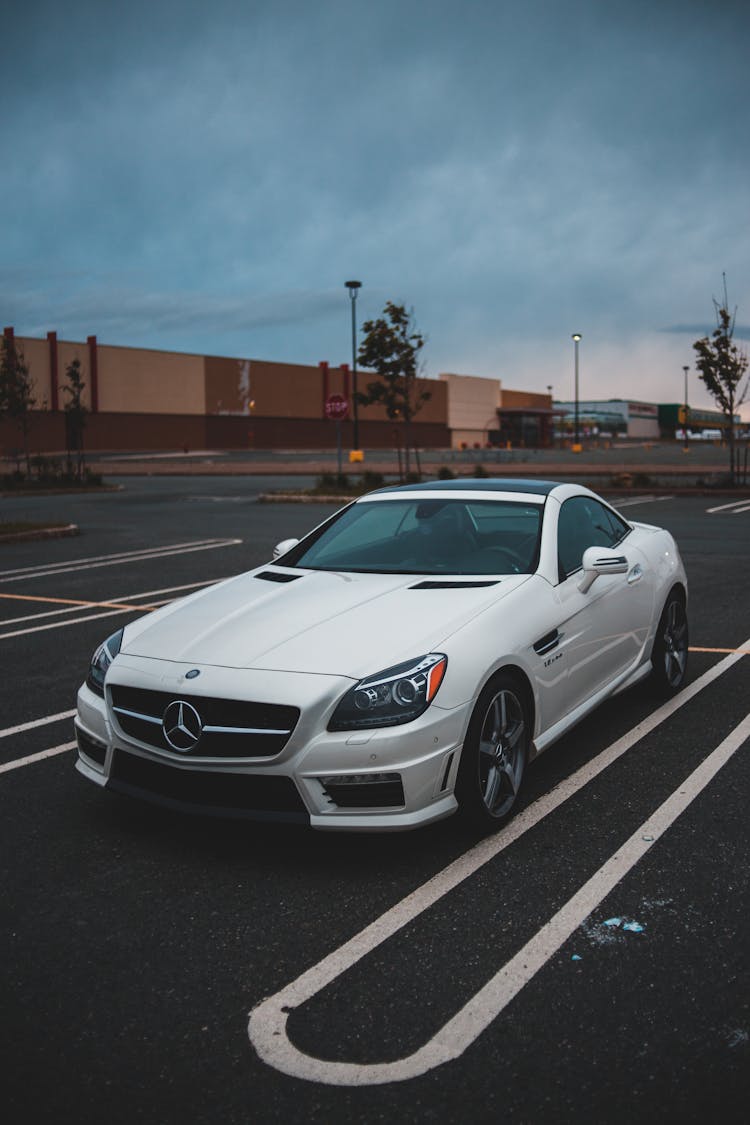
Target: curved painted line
<point>267,1026</point>
<point>268,1020</point>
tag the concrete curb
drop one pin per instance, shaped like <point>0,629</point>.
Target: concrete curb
<point>304,498</point>
<point>42,533</point>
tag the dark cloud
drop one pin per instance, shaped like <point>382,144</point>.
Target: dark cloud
<point>205,177</point>
<point>741,331</point>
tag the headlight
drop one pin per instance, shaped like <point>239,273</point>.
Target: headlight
<point>101,661</point>
<point>392,697</point>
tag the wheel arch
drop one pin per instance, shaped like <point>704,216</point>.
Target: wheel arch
<point>474,787</point>
<point>665,653</point>
<point>680,590</point>
<point>516,673</point>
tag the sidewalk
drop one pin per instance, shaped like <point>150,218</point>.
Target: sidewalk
<point>647,466</point>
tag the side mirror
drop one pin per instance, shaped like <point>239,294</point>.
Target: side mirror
<point>600,560</point>
<point>282,548</point>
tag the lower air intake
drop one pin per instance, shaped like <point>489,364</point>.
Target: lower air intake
<point>251,796</point>
<point>363,791</point>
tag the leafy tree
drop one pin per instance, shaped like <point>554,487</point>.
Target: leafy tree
<point>17,398</point>
<point>391,348</point>
<point>75,416</point>
<point>722,366</point>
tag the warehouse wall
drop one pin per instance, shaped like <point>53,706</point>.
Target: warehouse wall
<point>142,398</point>
<point>150,382</point>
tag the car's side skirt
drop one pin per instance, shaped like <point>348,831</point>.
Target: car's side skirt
<point>626,680</point>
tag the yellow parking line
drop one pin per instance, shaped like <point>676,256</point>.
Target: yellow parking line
<point>71,601</point>
<point>149,608</point>
<point>730,651</point>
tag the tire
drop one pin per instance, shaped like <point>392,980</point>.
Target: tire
<point>494,755</point>
<point>669,655</point>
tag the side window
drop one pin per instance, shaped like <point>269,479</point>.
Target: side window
<point>619,529</point>
<point>584,522</point>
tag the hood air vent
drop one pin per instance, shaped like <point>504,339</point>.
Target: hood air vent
<point>442,585</point>
<point>274,576</point>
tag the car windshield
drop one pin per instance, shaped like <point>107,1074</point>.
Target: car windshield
<point>426,536</point>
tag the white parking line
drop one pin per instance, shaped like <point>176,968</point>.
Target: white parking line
<point>631,500</point>
<point>267,1023</point>
<point>37,723</point>
<point>86,617</point>
<point>30,758</point>
<point>64,624</point>
<point>19,574</point>
<point>736,504</point>
<point>115,598</point>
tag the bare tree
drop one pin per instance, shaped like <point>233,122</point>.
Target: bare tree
<point>722,366</point>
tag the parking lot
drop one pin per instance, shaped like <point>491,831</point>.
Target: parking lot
<point>587,962</point>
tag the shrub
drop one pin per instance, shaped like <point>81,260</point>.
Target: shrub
<point>333,482</point>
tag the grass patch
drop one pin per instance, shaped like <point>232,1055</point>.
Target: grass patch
<point>340,484</point>
<point>66,482</point>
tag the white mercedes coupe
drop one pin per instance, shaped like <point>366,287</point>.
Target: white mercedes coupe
<point>403,661</point>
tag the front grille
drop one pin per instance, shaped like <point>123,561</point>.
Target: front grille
<point>252,796</point>
<point>231,728</point>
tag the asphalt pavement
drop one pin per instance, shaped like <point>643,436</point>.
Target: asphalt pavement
<point>598,946</point>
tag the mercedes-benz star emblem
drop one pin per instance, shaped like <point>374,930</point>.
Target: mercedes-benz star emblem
<point>182,726</point>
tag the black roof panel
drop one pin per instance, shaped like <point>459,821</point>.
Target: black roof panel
<point>478,484</point>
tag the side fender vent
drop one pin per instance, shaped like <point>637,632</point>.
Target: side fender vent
<point>547,643</point>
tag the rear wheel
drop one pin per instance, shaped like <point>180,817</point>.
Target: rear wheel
<point>670,652</point>
<point>494,754</point>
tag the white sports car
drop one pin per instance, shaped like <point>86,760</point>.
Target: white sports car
<point>404,660</point>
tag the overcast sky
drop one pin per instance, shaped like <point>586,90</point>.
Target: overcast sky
<point>205,177</point>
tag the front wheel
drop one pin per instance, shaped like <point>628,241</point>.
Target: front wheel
<point>494,754</point>
<point>670,652</point>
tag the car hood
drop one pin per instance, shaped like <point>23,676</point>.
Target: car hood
<point>324,622</point>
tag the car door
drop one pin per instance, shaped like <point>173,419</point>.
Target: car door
<point>602,628</point>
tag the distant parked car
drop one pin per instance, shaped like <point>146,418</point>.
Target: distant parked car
<point>404,660</point>
<point>699,435</point>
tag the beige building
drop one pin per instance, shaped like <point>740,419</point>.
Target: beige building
<point>473,403</point>
<point>140,398</point>
<point>482,412</point>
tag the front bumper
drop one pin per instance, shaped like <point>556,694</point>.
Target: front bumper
<point>391,779</point>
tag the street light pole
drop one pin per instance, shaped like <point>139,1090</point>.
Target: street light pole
<point>686,446</point>
<point>354,287</point>
<point>576,443</point>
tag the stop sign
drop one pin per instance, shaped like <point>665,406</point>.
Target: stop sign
<point>337,408</point>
